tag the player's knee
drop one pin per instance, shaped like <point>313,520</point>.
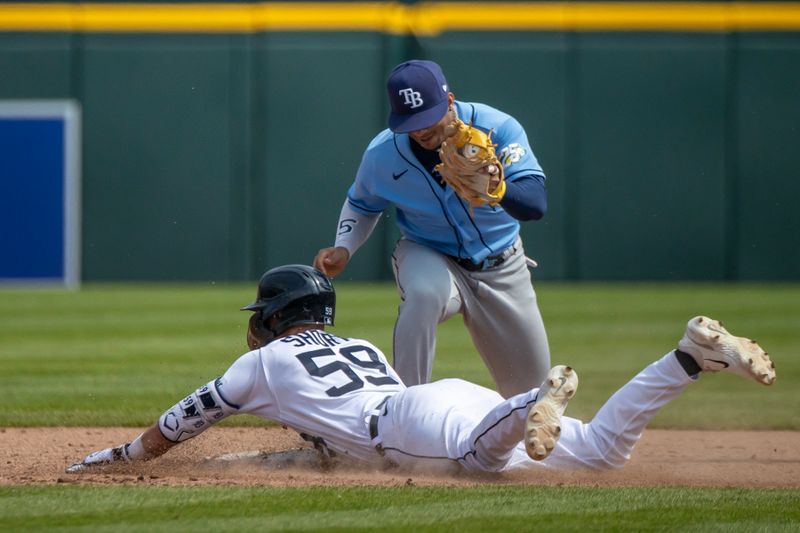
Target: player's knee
<point>426,300</point>
<point>195,413</point>
<point>603,452</point>
<point>488,459</point>
<point>616,459</point>
<point>492,464</point>
<point>608,459</point>
<point>609,463</point>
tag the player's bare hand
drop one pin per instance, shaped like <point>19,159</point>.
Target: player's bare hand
<point>331,261</point>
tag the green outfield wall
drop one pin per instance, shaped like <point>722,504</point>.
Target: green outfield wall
<point>220,139</point>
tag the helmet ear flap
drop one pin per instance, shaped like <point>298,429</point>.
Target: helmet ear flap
<point>258,334</point>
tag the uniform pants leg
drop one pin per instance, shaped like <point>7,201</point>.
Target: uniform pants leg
<point>428,296</point>
<point>502,315</point>
<point>608,440</point>
<point>499,307</point>
<point>451,424</point>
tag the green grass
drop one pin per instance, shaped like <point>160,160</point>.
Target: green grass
<point>489,508</point>
<point>120,354</point>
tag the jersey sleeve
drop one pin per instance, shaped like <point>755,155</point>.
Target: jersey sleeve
<point>245,385</point>
<point>361,196</point>
<point>514,151</point>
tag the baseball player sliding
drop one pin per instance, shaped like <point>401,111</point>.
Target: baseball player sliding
<point>461,176</point>
<point>342,395</point>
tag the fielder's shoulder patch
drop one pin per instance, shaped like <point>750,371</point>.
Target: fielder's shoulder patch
<point>511,154</point>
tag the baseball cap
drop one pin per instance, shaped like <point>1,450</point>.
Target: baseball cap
<point>418,95</point>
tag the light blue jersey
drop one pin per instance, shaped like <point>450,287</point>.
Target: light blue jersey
<point>434,216</point>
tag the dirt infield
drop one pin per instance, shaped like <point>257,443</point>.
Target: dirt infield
<point>687,458</point>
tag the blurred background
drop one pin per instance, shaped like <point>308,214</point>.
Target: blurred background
<point>212,141</point>
<point>196,145</point>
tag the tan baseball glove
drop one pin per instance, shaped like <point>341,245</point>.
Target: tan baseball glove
<point>470,166</point>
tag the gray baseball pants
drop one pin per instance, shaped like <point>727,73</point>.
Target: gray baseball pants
<point>499,309</point>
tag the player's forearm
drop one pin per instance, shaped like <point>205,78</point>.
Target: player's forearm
<point>150,444</point>
<point>354,228</point>
<point>154,443</point>
<point>188,418</point>
<point>526,198</point>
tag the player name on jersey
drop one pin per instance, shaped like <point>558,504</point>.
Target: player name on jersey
<point>313,336</point>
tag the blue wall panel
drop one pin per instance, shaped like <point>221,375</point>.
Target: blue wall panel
<point>32,198</point>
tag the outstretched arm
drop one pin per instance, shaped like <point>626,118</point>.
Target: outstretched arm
<point>186,419</point>
<point>353,230</point>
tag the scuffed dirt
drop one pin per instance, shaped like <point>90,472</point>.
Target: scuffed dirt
<point>688,458</point>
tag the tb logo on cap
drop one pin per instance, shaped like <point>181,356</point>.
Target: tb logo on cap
<point>412,98</point>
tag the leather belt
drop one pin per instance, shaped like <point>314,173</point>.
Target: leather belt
<point>490,262</point>
<point>373,427</point>
<point>373,424</point>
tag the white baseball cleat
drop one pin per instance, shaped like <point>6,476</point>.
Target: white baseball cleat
<point>543,423</point>
<point>716,350</point>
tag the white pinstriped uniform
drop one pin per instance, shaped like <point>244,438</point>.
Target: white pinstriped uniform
<point>333,389</point>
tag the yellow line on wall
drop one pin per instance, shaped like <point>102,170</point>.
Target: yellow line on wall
<point>429,18</point>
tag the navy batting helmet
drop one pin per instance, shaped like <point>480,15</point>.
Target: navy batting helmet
<point>293,295</point>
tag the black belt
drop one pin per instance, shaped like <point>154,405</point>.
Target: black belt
<point>486,264</point>
<point>373,427</point>
<point>373,424</point>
